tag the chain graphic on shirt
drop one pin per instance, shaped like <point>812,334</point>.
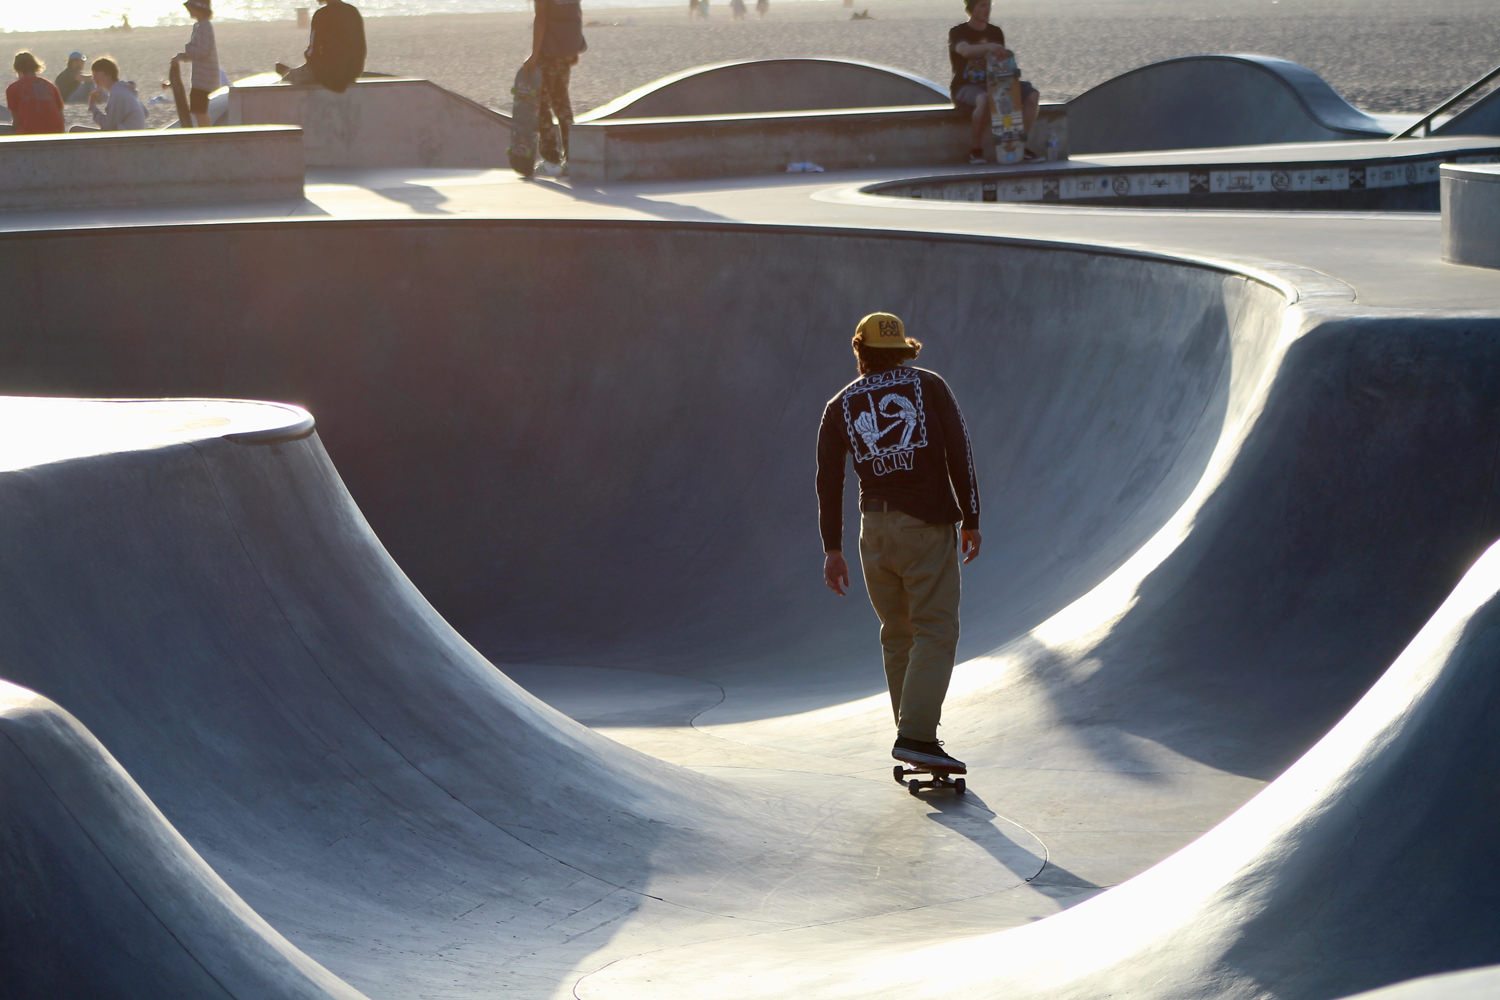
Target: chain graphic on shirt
<point>885,420</point>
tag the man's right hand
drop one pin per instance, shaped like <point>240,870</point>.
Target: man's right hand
<point>835,572</point>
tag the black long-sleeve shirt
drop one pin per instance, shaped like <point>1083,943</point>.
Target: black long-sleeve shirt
<point>910,448</point>
<point>336,50</point>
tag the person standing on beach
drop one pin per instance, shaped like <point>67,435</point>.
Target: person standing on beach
<point>335,48</point>
<point>556,43</point>
<point>969,46</point>
<point>36,107</point>
<point>122,107</point>
<point>73,83</point>
<point>203,53</point>
<point>904,431</point>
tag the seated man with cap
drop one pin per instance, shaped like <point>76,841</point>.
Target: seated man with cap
<point>74,83</point>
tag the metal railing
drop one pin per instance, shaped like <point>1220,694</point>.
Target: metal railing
<point>1424,124</point>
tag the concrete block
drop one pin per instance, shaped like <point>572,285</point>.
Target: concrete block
<point>167,167</point>
<point>387,122</point>
<point>640,149</point>
<point>1471,213</point>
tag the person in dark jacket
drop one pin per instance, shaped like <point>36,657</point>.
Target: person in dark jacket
<point>903,429</point>
<point>74,83</point>
<point>335,48</point>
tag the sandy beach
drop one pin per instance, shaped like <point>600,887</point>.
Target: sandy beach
<point>1383,55</point>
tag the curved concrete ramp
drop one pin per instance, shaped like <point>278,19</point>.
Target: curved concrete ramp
<point>229,626</point>
<point>1323,881</point>
<point>1212,100</point>
<point>767,85</point>
<point>100,896</point>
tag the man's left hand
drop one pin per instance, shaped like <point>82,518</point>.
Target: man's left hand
<point>971,540</point>
<point>835,572</point>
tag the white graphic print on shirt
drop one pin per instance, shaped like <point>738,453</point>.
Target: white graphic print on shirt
<point>884,418</point>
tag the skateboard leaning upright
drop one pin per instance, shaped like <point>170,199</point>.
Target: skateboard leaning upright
<point>179,95</point>
<point>1003,81</point>
<point>523,117</point>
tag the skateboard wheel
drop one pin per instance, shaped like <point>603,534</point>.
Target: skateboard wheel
<point>898,774</point>
<point>959,786</point>
<point>913,785</point>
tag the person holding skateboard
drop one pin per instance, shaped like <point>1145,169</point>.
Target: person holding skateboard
<point>969,46</point>
<point>36,107</point>
<point>556,43</point>
<point>903,429</point>
<point>203,53</point>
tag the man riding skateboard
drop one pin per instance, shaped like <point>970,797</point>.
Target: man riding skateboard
<point>903,429</point>
<point>970,44</point>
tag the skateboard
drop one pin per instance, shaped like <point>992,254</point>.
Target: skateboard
<point>941,777</point>
<point>1003,80</point>
<point>179,95</point>
<point>523,132</point>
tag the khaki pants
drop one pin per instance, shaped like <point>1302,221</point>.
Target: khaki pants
<point>911,573</point>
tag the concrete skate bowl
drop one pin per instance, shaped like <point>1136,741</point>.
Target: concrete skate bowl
<point>1210,527</point>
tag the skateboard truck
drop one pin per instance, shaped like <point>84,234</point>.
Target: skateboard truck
<point>938,779</point>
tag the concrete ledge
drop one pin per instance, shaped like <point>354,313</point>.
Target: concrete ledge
<point>642,149</point>
<point>167,167</point>
<point>1471,214</point>
<point>389,122</point>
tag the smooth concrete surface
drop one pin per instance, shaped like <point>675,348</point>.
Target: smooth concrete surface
<point>1475,984</point>
<point>387,122</point>
<point>1471,214</point>
<point>760,85</point>
<point>180,166</point>
<point>1213,100</point>
<point>1234,464</point>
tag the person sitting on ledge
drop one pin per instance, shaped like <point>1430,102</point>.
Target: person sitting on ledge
<point>123,108</point>
<point>969,46</point>
<point>335,49</point>
<point>36,107</point>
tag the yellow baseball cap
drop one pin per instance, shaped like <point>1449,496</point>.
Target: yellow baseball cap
<point>882,329</point>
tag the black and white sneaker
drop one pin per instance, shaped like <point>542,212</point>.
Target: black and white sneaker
<point>926,755</point>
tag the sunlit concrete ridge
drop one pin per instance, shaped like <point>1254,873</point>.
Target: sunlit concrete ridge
<point>513,675</point>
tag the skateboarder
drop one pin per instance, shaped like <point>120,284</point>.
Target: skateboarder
<point>204,55</point>
<point>902,427</point>
<point>969,44</point>
<point>556,43</point>
<point>335,48</point>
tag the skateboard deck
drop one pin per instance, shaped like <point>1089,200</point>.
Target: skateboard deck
<point>179,95</point>
<point>1003,80</point>
<point>523,131</point>
<point>940,777</point>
